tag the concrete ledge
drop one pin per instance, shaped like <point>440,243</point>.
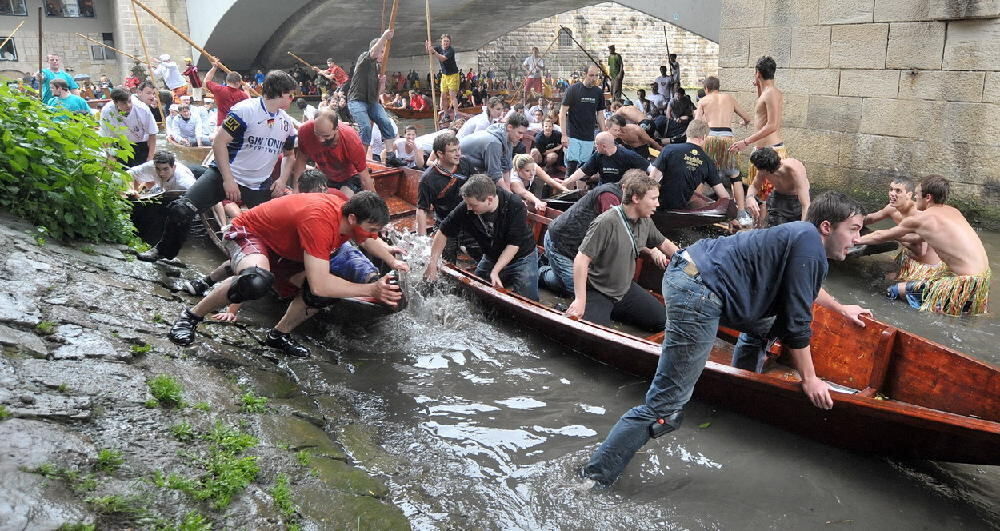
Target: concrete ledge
<point>972,45</point>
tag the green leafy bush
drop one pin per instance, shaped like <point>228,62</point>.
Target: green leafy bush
<point>56,175</point>
<point>166,390</point>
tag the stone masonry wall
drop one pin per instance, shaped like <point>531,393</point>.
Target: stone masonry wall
<point>638,37</point>
<point>159,39</point>
<point>878,88</point>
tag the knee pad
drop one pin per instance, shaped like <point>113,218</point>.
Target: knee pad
<point>665,425</point>
<point>312,300</point>
<point>252,283</point>
<point>181,211</point>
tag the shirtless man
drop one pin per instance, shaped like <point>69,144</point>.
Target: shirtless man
<point>633,136</point>
<point>917,261</point>
<point>787,179</point>
<point>964,284</point>
<point>630,112</point>
<point>718,109</point>
<point>768,112</point>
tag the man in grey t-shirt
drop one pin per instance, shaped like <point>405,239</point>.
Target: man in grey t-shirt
<point>605,264</point>
<point>366,85</point>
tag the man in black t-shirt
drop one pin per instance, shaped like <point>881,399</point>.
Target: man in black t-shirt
<point>548,146</point>
<point>450,77</point>
<point>579,116</point>
<point>681,168</point>
<point>610,161</point>
<point>438,193</point>
<point>498,220</point>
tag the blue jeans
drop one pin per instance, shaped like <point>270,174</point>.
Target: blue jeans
<point>520,275</point>
<point>366,113</point>
<point>751,348</point>
<point>691,324</point>
<point>558,276</point>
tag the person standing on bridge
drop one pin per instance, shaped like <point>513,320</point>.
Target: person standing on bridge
<point>366,85</point>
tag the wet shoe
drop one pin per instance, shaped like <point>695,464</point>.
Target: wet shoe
<point>286,344</point>
<point>183,330</point>
<point>151,255</point>
<point>197,287</point>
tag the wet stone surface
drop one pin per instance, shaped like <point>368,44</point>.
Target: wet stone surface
<point>83,438</point>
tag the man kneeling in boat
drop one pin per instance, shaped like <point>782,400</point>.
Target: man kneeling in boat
<point>917,260</point>
<point>303,230</point>
<point>605,264</point>
<point>779,272</point>
<point>336,150</point>
<point>782,185</point>
<point>498,220</point>
<point>963,285</point>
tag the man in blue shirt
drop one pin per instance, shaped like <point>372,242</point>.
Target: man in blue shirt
<point>55,71</point>
<point>762,282</point>
<point>61,98</point>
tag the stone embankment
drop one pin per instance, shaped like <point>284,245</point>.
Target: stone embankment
<point>107,424</point>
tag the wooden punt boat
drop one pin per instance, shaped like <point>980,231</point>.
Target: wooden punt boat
<point>188,153</point>
<point>410,114</point>
<point>897,393</point>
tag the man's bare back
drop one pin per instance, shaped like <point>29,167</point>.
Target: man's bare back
<point>631,113</point>
<point>634,136</point>
<point>917,248</point>
<point>789,179</point>
<point>947,231</point>
<point>717,109</point>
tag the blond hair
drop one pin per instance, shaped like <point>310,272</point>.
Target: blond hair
<point>522,160</point>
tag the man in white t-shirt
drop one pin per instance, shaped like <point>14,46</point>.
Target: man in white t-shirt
<point>533,66</point>
<point>168,72</point>
<point>161,174</point>
<point>663,82</point>
<point>255,132</point>
<point>123,115</point>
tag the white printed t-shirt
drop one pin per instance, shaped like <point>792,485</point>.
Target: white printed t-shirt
<point>146,173</point>
<point>258,138</point>
<point>137,126</point>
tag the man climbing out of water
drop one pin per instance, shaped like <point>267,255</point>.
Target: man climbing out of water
<point>963,285</point>
<point>161,174</point>
<point>566,232</point>
<point>498,220</point>
<point>450,78</point>
<point>780,272</point>
<point>438,194</point>
<point>303,230</point>
<point>490,151</point>
<point>610,161</point>
<point>246,149</point>
<point>579,114</point>
<point>605,263</point>
<point>336,150</point>
<point>62,98</point>
<point>789,188</point>
<point>366,85</point>
<point>682,168</point>
<point>718,109</point>
<point>768,116</point>
<point>917,260</point>
<point>123,115</point>
<point>632,136</point>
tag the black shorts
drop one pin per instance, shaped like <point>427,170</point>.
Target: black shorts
<point>354,183</point>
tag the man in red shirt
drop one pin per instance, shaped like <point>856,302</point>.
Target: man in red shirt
<point>336,150</point>
<point>302,230</point>
<point>225,95</point>
<point>338,78</point>
<point>417,101</point>
<point>191,72</point>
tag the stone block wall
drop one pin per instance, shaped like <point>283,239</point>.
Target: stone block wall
<point>638,37</point>
<point>878,88</point>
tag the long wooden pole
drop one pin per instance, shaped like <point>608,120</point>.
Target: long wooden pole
<point>301,60</point>
<point>179,33</point>
<point>112,48</point>
<point>430,62</point>
<point>40,81</point>
<point>11,36</point>
<point>388,43</point>
<point>149,64</point>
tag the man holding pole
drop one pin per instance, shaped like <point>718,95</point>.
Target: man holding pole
<point>445,54</point>
<point>366,85</point>
<point>225,95</point>
<point>334,74</point>
<point>168,72</point>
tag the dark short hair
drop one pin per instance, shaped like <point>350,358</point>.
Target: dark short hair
<point>479,187</point>
<point>935,186</point>
<point>367,206</point>
<point>636,182</point>
<point>834,207</point>
<point>144,85</point>
<point>59,84</point>
<point>163,157</point>
<point>618,120</point>
<point>233,79</point>
<point>182,108</point>
<point>120,95</point>
<point>442,141</point>
<point>410,127</point>
<point>766,159</point>
<point>312,181</point>
<point>672,56</point>
<point>766,67</point>
<point>277,83</point>
<point>907,183</point>
<point>711,83</point>
<point>517,120</point>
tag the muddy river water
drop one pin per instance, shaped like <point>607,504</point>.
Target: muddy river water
<point>487,424</point>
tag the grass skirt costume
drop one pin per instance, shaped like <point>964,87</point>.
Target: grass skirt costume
<point>909,269</point>
<point>727,162</point>
<point>948,293</point>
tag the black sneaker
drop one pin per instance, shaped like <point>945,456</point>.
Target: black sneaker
<point>151,255</point>
<point>183,330</point>
<point>286,344</point>
<point>197,287</point>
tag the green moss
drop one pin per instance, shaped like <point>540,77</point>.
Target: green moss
<point>304,457</point>
<point>166,390</point>
<point>282,494</point>
<point>115,504</point>
<point>141,349</point>
<point>45,328</point>
<point>108,460</point>
<point>4,413</point>
<point>76,527</point>
<point>203,406</point>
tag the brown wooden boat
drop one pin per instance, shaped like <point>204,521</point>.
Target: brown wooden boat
<point>188,153</point>
<point>896,393</point>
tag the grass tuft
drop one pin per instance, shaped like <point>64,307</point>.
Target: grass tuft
<point>253,403</point>
<point>166,390</point>
<point>108,460</point>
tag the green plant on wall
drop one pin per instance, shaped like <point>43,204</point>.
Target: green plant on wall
<point>56,174</point>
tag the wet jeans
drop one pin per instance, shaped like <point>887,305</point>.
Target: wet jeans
<point>692,320</point>
<point>520,275</point>
<point>558,276</point>
<point>365,114</point>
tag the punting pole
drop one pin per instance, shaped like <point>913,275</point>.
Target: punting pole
<point>430,63</point>
<point>149,64</point>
